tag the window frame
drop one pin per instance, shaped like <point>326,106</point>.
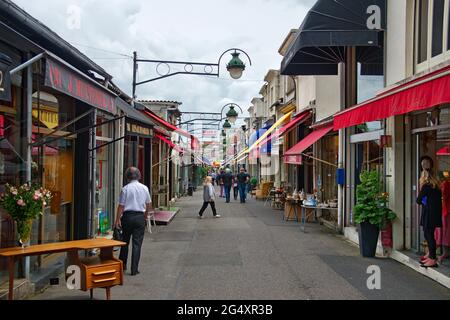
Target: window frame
<point>430,61</point>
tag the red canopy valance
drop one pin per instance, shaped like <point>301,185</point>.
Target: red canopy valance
<point>421,93</point>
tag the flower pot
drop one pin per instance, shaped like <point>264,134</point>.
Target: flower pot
<point>24,232</point>
<point>368,239</point>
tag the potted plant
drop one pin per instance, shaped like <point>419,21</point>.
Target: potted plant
<point>24,204</point>
<point>371,211</point>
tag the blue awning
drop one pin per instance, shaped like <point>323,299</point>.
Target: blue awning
<point>256,135</point>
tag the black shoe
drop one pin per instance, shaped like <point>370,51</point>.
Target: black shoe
<point>135,273</point>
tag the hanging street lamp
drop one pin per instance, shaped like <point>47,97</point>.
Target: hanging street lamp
<point>235,67</point>
<point>232,115</point>
<point>227,125</point>
<point>166,68</point>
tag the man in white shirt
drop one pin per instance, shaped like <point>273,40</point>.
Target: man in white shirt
<point>134,206</point>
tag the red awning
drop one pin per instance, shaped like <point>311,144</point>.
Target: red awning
<point>308,141</point>
<point>170,143</point>
<point>445,151</point>
<point>195,143</point>
<point>421,93</point>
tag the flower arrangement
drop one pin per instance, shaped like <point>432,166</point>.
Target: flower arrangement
<point>24,204</point>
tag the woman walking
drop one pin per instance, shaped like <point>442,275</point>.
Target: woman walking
<point>209,195</point>
<point>430,198</point>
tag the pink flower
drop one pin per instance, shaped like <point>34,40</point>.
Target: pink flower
<point>35,197</point>
<point>21,203</point>
<point>14,192</point>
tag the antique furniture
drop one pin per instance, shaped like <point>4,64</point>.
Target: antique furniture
<point>102,271</point>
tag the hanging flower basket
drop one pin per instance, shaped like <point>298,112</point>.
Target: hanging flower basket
<point>24,204</point>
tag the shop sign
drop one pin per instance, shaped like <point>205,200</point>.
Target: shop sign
<point>49,118</point>
<point>136,129</point>
<point>210,133</point>
<point>295,159</point>
<point>66,81</point>
<point>5,79</point>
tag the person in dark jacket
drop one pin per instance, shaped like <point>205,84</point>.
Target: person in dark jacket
<point>430,198</point>
<point>227,179</point>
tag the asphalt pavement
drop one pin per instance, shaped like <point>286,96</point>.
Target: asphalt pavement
<point>252,253</point>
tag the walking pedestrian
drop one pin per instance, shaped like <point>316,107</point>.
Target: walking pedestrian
<point>235,188</point>
<point>227,180</point>
<point>213,176</point>
<point>209,195</point>
<point>243,179</point>
<point>430,198</point>
<point>134,206</point>
<point>220,178</point>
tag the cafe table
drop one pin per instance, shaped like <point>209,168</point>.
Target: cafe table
<point>313,209</point>
<point>102,271</point>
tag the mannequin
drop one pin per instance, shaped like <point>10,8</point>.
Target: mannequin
<point>442,234</point>
<point>430,199</point>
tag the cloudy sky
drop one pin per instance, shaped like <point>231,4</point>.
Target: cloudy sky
<point>196,30</point>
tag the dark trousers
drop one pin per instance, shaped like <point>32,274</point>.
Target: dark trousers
<point>429,236</point>
<point>227,193</point>
<point>205,204</point>
<point>242,193</point>
<point>133,224</point>
<point>235,192</point>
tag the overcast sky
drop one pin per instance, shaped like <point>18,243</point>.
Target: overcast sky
<point>195,30</point>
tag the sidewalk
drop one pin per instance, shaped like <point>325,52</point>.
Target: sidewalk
<point>251,253</point>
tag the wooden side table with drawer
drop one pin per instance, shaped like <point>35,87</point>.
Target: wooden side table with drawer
<point>102,271</point>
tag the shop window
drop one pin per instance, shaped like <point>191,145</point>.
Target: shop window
<point>422,7</point>
<point>367,156</point>
<point>53,166</point>
<point>428,140</point>
<point>437,28</point>
<point>368,87</point>
<point>11,164</point>
<point>105,175</point>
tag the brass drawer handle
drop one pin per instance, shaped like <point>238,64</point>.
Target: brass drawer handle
<point>104,280</point>
<point>103,272</point>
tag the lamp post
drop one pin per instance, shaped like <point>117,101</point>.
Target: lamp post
<point>235,67</point>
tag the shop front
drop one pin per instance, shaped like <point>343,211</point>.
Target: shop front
<point>138,147</point>
<point>72,123</point>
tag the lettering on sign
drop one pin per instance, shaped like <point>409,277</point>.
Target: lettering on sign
<point>374,20</point>
<point>68,82</point>
<point>139,130</point>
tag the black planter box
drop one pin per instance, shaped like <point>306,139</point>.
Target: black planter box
<point>368,239</point>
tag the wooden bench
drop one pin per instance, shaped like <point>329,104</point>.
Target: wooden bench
<point>102,271</point>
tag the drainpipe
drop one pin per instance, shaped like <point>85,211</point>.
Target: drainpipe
<point>91,222</point>
<point>29,120</point>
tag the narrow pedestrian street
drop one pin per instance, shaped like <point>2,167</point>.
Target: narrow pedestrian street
<point>252,253</point>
